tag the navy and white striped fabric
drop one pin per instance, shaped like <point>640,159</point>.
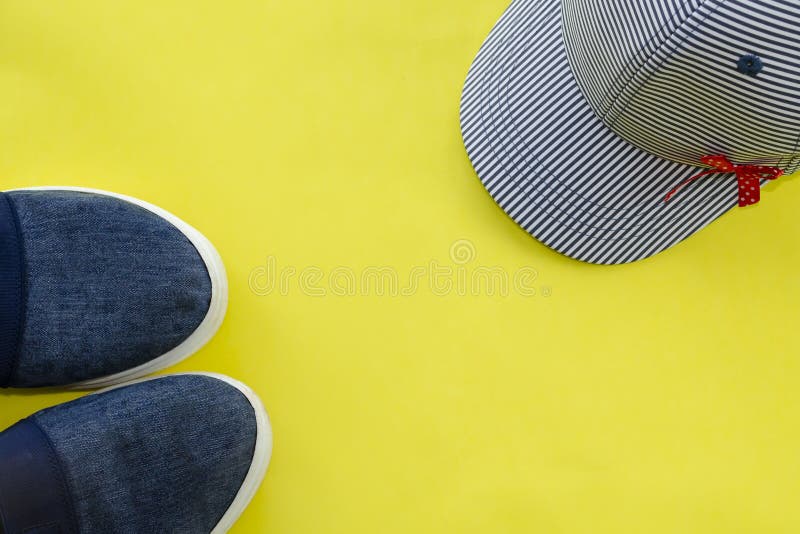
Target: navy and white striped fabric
<point>580,115</point>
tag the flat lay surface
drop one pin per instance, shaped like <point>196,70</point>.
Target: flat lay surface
<point>426,364</point>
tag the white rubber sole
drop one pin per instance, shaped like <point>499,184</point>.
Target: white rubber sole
<point>261,455</point>
<point>216,310</point>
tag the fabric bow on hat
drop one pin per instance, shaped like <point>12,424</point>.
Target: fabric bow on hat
<point>749,177</point>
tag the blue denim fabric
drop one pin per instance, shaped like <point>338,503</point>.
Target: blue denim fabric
<point>164,456</point>
<point>109,286</point>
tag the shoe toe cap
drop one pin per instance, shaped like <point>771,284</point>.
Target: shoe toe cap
<point>110,286</point>
<point>169,454</point>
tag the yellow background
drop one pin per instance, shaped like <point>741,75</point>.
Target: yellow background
<point>657,397</point>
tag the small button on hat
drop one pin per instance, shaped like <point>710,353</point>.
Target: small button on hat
<point>611,131</point>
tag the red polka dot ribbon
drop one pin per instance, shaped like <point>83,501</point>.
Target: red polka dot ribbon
<point>749,177</point>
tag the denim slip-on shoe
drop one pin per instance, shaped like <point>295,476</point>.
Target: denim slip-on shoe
<point>173,454</point>
<point>98,288</point>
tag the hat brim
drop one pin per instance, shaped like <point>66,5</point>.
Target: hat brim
<point>556,168</point>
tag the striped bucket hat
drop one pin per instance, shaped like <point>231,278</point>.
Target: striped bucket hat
<point>611,130</point>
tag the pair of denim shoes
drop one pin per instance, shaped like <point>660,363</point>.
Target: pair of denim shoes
<point>98,290</point>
